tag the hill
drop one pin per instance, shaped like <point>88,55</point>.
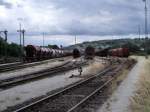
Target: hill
<point>136,45</point>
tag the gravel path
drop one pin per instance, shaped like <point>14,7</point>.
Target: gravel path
<point>120,100</point>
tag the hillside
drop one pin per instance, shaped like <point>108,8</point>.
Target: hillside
<point>135,45</point>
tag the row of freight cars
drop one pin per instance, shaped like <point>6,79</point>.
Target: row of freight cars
<point>90,52</point>
<point>35,53</point>
<point>118,52</point>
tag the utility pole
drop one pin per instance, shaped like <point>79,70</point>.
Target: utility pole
<point>112,42</point>
<point>43,39</point>
<point>5,44</point>
<point>23,47</point>
<point>20,34</point>
<point>146,21</point>
<point>75,39</point>
<point>22,39</point>
<point>146,28</point>
<point>139,31</point>
<point>23,32</point>
<point>20,54</point>
<point>5,32</point>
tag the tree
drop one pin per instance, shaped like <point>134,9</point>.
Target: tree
<point>53,46</point>
<point>132,47</point>
<point>12,49</point>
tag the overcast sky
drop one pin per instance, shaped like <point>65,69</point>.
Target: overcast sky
<point>62,19</point>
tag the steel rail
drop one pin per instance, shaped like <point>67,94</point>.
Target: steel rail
<point>94,92</point>
<point>64,90</point>
<point>19,65</point>
<point>11,81</point>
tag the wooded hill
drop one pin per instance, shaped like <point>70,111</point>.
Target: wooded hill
<point>136,46</point>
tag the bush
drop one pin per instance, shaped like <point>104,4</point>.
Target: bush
<point>12,49</point>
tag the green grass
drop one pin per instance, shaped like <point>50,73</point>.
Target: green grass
<point>141,101</point>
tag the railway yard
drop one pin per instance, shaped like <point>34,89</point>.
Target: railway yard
<point>57,85</point>
<point>74,56</point>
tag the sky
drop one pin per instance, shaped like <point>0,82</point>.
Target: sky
<point>61,20</point>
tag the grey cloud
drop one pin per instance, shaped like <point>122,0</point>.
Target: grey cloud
<point>5,4</point>
<point>124,15</point>
<point>127,15</point>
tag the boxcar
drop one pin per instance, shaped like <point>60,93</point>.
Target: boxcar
<point>120,52</point>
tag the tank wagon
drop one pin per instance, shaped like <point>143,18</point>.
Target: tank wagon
<point>102,52</point>
<point>76,53</point>
<point>89,52</point>
<point>35,53</point>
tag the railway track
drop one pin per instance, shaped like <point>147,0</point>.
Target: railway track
<point>20,65</point>
<point>72,97</point>
<point>7,67</point>
<point>28,77</point>
<point>8,60</point>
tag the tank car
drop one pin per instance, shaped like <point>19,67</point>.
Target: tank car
<point>76,53</point>
<point>67,52</point>
<point>89,52</point>
<point>126,52</point>
<point>102,52</point>
<point>33,53</point>
<point>50,53</point>
<point>43,53</point>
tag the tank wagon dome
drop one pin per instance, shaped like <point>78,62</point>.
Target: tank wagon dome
<point>47,50</point>
<point>62,52</point>
<point>56,51</point>
<point>53,52</point>
<point>50,50</point>
<point>42,49</point>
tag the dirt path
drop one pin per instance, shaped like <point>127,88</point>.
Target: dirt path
<point>120,100</point>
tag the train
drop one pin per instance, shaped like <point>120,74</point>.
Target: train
<point>36,53</point>
<point>117,52</point>
<point>103,52</point>
<point>76,53</point>
<point>89,52</point>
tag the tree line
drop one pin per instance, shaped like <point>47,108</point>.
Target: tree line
<point>12,49</point>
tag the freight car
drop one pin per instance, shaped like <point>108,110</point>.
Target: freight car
<point>35,53</point>
<point>119,52</point>
<point>76,53</point>
<point>89,52</point>
<point>102,52</point>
